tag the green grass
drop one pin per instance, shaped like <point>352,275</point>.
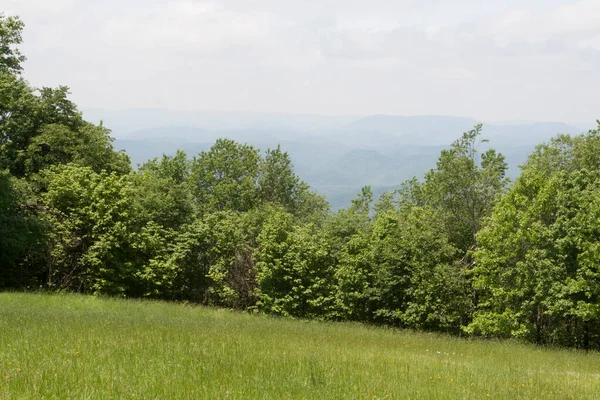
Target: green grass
<point>79,347</point>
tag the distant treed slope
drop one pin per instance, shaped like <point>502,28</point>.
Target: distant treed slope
<point>141,151</point>
<point>336,172</point>
<point>335,155</point>
<point>338,175</point>
<point>390,130</point>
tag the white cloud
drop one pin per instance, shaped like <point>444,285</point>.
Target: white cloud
<point>580,16</point>
<point>519,59</point>
<point>187,25</point>
<point>38,6</point>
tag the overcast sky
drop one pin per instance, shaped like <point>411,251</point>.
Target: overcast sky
<point>522,60</point>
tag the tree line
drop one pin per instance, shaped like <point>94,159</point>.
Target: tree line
<point>461,250</point>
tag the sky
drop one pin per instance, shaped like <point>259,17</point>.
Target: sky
<point>525,60</point>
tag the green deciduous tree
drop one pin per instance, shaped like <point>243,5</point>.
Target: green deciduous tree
<point>294,269</point>
<point>226,177</point>
<point>212,262</point>
<point>99,243</point>
<point>402,272</point>
<point>90,145</point>
<point>280,185</point>
<point>463,188</point>
<point>26,115</point>
<point>278,182</point>
<point>162,194</point>
<point>22,237</point>
<point>175,168</point>
<point>89,214</point>
<point>11,29</point>
<point>537,265</point>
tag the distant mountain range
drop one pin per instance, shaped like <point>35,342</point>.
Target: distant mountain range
<point>387,129</point>
<point>335,155</point>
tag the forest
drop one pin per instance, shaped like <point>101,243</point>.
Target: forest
<point>460,250</point>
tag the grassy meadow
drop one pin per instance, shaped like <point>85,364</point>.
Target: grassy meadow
<point>81,347</point>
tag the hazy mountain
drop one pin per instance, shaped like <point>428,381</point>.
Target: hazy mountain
<point>384,130</point>
<point>125,123</point>
<point>335,155</point>
<point>142,150</point>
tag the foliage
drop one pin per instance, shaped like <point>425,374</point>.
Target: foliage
<point>462,188</point>
<point>24,117</point>
<point>226,176</point>
<point>90,145</point>
<point>215,263</point>
<point>294,269</point>
<point>537,266</point>
<point>11,29</point>
<point>90,214</point>
<point>161,192</point>
<point>402,272</point>
<point>22,237</point>
<point>280,185</point>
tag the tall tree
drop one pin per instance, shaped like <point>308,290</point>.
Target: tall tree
<point>162,194</point>
<point>402,272</point>
<point>278,182</point>
<point>226,177</point>
<point>22,237</point>
<point>89,145</point>
<point>280,185</point>
<point>175,168</point>
<point>87,212</point>
<point>537,264</point>
<point>294,269</point>
<point>463,188</point>
<point>11,29</point>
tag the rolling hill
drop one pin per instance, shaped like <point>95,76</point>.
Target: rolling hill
<point>335,155</point>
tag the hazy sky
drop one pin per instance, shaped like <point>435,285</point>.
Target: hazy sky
<point>522,60</point>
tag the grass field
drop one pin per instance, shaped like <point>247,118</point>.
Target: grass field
<point>78,347</point>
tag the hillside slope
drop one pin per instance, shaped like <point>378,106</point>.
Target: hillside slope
<point>69,346</point>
